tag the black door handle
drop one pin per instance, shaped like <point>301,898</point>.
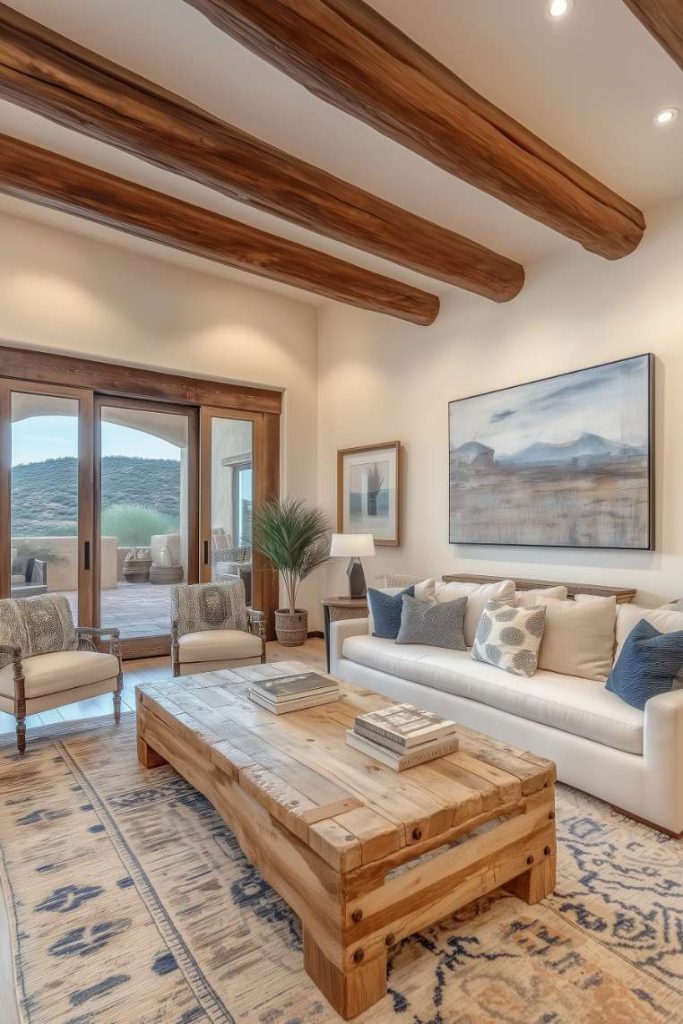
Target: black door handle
<point>86,555</point>
<point>206,552</point>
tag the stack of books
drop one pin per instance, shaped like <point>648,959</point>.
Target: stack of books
<point>292,693</point>
<point>402,736</point>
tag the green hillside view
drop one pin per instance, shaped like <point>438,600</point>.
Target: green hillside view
<point>44,501</point>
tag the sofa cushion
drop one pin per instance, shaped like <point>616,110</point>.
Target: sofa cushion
<point>218,645</point>
<point>568,703</point>
<point>579,638</point>
<point>63,670</point>
<point>439,625</point>
<point>386,611</point>
<point>509,637</point>
<point>478,596</point>
<point>529,598</point>
<point>648,662</point>
<point>665,619</point>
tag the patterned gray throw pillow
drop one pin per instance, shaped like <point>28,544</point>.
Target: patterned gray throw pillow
<point>510,638</point>
<point>48,624</point>
<point>200,607</point>
<point>439,625</point>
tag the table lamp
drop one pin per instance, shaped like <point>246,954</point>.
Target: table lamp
<point>353,546</point>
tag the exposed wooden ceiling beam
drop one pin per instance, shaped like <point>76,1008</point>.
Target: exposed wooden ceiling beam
<point>55,77</point>
<point>664,20</point>
<point>36,175</point>
<point>346,53</point>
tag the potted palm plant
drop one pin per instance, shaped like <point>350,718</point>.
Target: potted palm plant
<point>293,536</point>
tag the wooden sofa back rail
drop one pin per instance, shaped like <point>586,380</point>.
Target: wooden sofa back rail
<point>624,595</point>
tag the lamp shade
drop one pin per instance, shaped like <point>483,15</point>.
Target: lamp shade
<point>352,545</point>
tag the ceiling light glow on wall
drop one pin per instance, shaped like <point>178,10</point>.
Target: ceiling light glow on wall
<point>666,117</point>
<point>558,8</point>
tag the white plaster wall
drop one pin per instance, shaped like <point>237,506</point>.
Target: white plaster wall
<point>69,293</point>
<point>381,380</point>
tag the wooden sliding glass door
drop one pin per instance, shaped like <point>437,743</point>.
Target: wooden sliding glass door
<point>114,490</point>
<point>46,493</point>
<point>146,516</point>
<point>233,481</point>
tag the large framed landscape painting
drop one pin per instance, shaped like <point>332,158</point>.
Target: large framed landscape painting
<point>561,462</point>
<point>368,491</point>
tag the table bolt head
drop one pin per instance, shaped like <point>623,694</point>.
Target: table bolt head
<point>547,851</point>
<point>530,859</point>
<point>390,939</point>
<point>417,833</point>
<point>357,916</point>
<point>358,956</point>
<point>552,815</point>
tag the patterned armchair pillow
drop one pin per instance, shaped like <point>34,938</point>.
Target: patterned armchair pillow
<point>200,607</point>
<point>510,638</point>
<point>39,625</point>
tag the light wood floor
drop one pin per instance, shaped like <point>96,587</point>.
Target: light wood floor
<point>313,653</point>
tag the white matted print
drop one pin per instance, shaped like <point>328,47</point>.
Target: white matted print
<point>368,491</point>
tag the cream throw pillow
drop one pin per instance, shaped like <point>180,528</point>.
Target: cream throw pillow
<point>579,638</point>
<point>478,596</point>
<point>530,598</point>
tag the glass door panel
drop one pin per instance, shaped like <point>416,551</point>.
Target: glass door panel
<point>48,450</point>
<point>147,522</point>
<point>230,485</point>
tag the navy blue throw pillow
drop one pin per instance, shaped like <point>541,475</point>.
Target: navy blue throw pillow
<point>648,662</point>
<point>386,612</point>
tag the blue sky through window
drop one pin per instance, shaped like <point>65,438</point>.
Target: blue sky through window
<point>54,437</point>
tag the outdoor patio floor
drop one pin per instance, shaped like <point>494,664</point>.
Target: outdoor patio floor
<point>138,609</point>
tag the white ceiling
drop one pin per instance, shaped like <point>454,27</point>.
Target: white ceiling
<point>589,85</point>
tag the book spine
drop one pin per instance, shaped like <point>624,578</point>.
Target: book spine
<point>379,736</point>
<point>372,731</point>
<point>415,739</point>
<point>421,756</point>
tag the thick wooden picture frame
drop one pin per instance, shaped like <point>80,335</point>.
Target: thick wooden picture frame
<point>343,518</point>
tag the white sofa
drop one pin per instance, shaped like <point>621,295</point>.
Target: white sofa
<point>630,758</point>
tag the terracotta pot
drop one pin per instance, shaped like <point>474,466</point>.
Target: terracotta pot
<point>291,629</point>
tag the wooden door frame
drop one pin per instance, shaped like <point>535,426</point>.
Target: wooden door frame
<point>119,381</point>
<point>84,397</point>
<point>265,463</point>
<point>146,647</point>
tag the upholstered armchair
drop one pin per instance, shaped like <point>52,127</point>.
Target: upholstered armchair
<point>212,628</point>
<point>46,661</point>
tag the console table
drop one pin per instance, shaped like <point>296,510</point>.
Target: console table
<point>341,608</point>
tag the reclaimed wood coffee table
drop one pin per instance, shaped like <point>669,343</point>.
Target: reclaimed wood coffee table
<point>327,826</point>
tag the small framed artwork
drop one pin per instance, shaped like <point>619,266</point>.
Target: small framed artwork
<point>369,491</point>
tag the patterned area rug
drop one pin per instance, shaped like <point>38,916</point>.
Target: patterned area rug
<point>131,903</point>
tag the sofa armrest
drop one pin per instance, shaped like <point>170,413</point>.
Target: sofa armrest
<point>339,631</point>
<point>663,752</point>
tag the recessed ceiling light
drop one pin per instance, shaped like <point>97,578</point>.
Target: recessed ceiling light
<point>558,8</point>
<point>666,116</point>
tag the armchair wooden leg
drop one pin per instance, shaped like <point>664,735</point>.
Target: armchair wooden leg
<point>263,652</point>
<point>21,734</point>
<point>117,706</point>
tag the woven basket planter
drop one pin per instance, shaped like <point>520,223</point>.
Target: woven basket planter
<point>291,629</point>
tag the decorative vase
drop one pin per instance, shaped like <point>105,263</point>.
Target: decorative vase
<point>291,628</point>
<point>136,570</point>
